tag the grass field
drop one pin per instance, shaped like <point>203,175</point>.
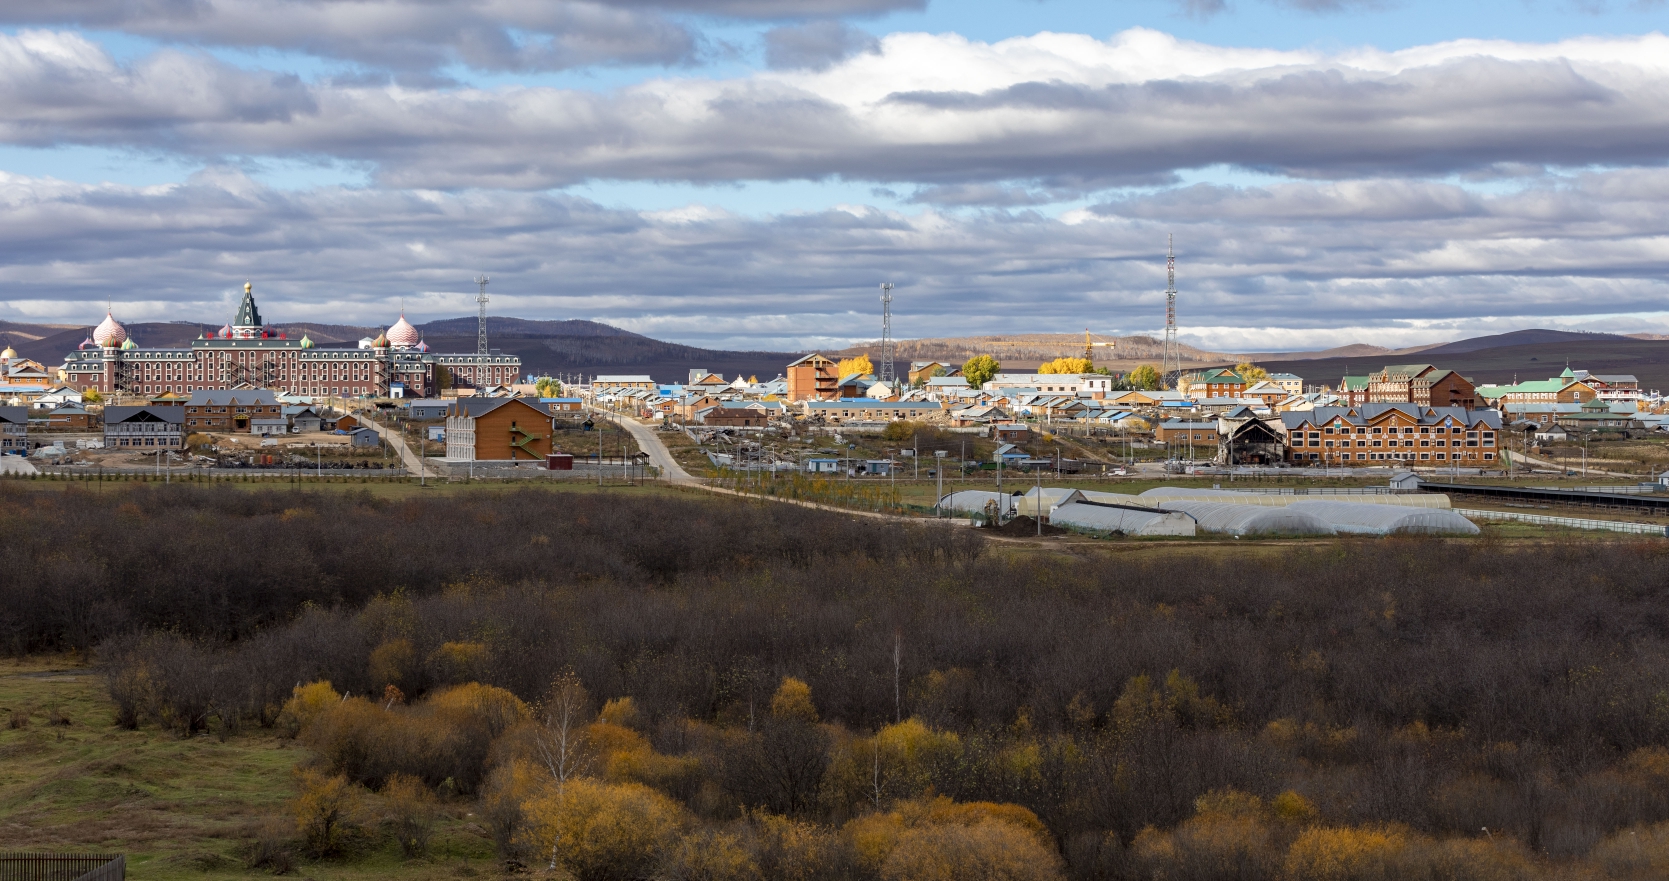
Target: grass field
<point>179,809</point>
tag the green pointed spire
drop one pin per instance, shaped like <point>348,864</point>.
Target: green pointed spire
<point>248,315</point>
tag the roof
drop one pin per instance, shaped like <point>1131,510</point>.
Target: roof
<point>223,397</point>
<point>812,358</point>
<point>620,378</point>
<point>1353,383</point>
<point>428,402</point>
<point>475,408</point>
<point>873,403</point>
<point>1365,414</point>
<point>15,415</point>
<point>1404,369</point>
<point>146,413</point>
<point>1285,376</point>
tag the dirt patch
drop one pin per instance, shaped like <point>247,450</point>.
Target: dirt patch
<point>1023,526</point>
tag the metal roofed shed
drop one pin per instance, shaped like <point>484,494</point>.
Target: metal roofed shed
<point>1227,518</point>
<point>1359,519</point>
<point>1086,516</point>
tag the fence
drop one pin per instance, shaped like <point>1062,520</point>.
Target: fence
<point>1571,522</point>
<point>62,867</point>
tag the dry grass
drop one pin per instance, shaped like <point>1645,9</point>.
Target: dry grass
<point>177,808</point>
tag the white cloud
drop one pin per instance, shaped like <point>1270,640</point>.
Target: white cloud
<point>1064,112</point>
<point>1292,276</point>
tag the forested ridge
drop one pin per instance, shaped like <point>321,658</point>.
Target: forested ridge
<point>763,682</point>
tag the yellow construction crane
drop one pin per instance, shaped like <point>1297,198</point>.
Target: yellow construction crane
<point>1089,347</point>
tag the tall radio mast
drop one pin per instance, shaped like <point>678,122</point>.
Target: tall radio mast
<point>886,372</point>
<point>1171,368</point>
<point>481,322</point>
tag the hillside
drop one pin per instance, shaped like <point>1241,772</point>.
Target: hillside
<point>1027,350</point>
<point>556,347</point>
<point>1646,359</point>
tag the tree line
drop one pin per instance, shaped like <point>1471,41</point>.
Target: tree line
<point>740,674</point>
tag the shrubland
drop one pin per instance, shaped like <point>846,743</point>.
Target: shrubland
<point>691,688</point>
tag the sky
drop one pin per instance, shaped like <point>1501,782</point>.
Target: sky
<point>743,173</point>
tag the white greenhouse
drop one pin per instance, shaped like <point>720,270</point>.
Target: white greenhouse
<point>1350,517</point>
<point>1083,516</point>
<point>1231,519</point>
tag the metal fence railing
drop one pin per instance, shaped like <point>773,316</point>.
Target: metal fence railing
<point>1570,522</point>
<point>62,867</point>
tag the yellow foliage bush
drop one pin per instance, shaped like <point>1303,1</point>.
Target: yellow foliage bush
<point>874,837</point>
<point>601,831</point>
<point>1372,853</point>
<point>411,813</point>
<point>899,761</point>
<point>793,701</point>
<point>305,704</point>
<point>446,736</point>
<point>988,850</point>
<point>511,784</point>
<point>329,813</point>
<point>794,850</point>
<point>458,662</point>
<point>621,711</point>
<point>709,856</point>
<point>391,664</point>
<point>1637,852</point>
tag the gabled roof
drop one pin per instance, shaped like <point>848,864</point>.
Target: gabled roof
<point>813,358</point>
<point>475,408</point>
<point>147,413</point>
<point>226,397</point>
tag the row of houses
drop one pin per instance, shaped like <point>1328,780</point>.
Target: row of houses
<point>1364,434</point>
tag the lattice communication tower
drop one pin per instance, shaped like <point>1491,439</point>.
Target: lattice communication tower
<point>1172,363</point>
<point>885,367</point>
<point>481,322</point>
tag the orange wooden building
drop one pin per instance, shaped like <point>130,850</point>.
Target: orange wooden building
<point>497,430</point>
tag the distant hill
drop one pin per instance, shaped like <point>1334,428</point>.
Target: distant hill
<point>1544,356</point>
<point>571,347</point>
<point>1026,351</point>
<point>1533,337</point>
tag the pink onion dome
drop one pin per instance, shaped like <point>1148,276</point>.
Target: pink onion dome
<point>87,344</point>
<point>381,342</point>
<point>225,332</point>
<point>422,346</point>
<point>109,334</point>
<point>402,334</point>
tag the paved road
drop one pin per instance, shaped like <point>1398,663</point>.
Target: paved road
<point>659,456</point>
<point>1572,465</point>
<point>413,462</point>
<point>16,465</point>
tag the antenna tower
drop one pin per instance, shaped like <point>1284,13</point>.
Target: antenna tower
<point>481,322</point>
<point>886,372</point>
<point>1171,369</point>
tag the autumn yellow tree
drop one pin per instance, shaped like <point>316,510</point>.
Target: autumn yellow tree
<point>859,365</point>
<point>1067,366</point>
<point>979,369</point>
<point>329,813</point>
<point>1146,377</point>
<point>1251,372</point>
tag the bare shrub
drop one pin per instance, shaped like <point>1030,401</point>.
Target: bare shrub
<point>410,813</point>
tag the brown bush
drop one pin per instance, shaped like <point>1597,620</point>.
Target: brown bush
<point>410,813</point>
<point>599,831</point>
<point>329,814</point>
<point>708,855</point>
<point>19,719</point>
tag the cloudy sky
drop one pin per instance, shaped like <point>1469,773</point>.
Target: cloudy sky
<point>742,173</point>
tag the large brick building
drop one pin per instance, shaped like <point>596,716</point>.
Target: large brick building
<point>1406,433</point>
<point>1421,384</point>
<point>813,378</point>
<point>246,354</point>
<point>231,409</point>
